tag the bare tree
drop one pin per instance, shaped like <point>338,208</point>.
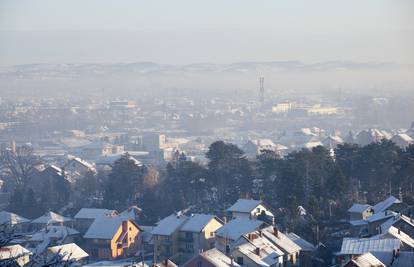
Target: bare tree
<point>19,163</point>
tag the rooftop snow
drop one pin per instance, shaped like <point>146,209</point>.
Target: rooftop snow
<point>197,222</point>
<point>234,229</point>
<point>11,218</point>
<point>355,246</point>
<point>51,218</point>
<point>244,205</point>
<point>384,205</point>
<point>69,252</point>
<point>104,227</point>
<point>169,225</point>
<point>359,208</point>
<point>92,213</point>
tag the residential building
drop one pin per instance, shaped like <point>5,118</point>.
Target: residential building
<point>250,209</point>
<point>86,216</point>
<point>69,253</point>
<point>197,234</point>
<point>211,258</point>
<point>166,237</point>
<point>14,255</point>
<point>111,237</point>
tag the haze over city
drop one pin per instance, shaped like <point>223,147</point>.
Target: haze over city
<point>207,133</point>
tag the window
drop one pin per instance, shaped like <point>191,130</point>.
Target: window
<point>130,228</point>
<point>211,234</point>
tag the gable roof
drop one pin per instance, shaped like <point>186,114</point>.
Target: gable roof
<point>55,231</point>
<point>244,205</point>
<point>391,221</point>
<point>10,218</point>
<point>50,218</point>
<point>302,243</point>
<point>268,252</point>
<point>385,204</point>
<point>93,213</point>
<point>197,222</point>
<point>281,240</point>
<point>169,224</point>
<point>234,229</point>
<point>359,208</point>
<point>14,251</point>
<point>404,259</point>
<point>68,252</point>
<point>217,258</point>
<point>105,227</point>
<point>357,246</point>
<point>367,260</point>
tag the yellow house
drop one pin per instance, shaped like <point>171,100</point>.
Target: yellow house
<point>111,237</point>
<point>197,234</point>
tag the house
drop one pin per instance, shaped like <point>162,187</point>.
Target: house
<point>407,242</point>
<point>360,212</point>
<point>68,253</point>
<point>364,260</point>
<point>391,203</point>
<point>378,219</point>
<point>14,255</point>
<point>233,230</point>
<point>164,263</point>
<point>354,247</point>
<point>197,234</point>
<point>52,235</point>
<point>111,237</point>
<point>250,209</point>
<point>86,216</point>
<point>290,249</point>
<point>400,222</point>
<point>100,148</point>
<point>14,221</point>
<point>256,250</point>
<point>211,258</point>
<point>395,258</point>
<point>307,250</point>
<point>51,218</point>
<point>402,140</point>
<point>77,168</point>
<point>166,236</point>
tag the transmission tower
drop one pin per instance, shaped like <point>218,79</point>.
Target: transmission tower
<point>261,90</point>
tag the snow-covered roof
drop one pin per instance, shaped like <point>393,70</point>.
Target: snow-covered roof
<point>244,205</point>
<point>10,218</point>
<point>398,234</point>
<point>280,240</point>
<point>359,208</point>
<point>367,260</point>
<point>82,162</point>
<point>234,229</point>
<point>404,137</point>
<point>14,251</point>
<point>358,246</point>
<point>385,204</point>
<point>405,258</point>
<point>104,227</point>
<point>394,219</point>
<point>302,243</point>
<point>51,218</point>
<point>197,222</point>
<point>131,213</point>
<point>268,253</point>
<point>56,232</point>
<point>68,252</point>
<point>217,258</point>
<point>169,224</point>
<point>93,213</point>
<point>381,215</point>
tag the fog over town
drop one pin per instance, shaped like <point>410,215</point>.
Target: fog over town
<point>206,133</point>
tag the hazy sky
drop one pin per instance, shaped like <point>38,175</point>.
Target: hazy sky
<point>218,31</point>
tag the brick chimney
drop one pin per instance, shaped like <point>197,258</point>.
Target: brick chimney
<point>257,251</point>
<point>275,232</point>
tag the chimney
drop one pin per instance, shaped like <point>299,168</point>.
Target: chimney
<point>276,231</point>
<point>399,231</point>
<point>166,263</point>
<point>257,251</point>
<point>225,219</point>
<point>260,233</point>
